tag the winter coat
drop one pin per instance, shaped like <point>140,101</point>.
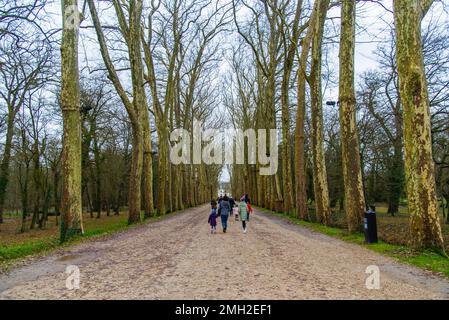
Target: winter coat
<point>243,211</point>
<point>231,202</point>
<point>213,218</point>
<point>250,209</point>
<point>225,208</point>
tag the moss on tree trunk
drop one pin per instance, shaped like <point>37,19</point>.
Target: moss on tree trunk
<point>319,164</point>
<point>352,174</point>
<point>419,165</point>
<point>148,202</point>
<point>71,206</point>
<point>4,166</point>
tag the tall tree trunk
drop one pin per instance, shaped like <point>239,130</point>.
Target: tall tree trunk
<point>89,202</point>
<point>163,171</point>
<point>188,184</point>
<point>319,164</point>
<point>352,173</point>
<point>37,184</point>
<point>135,177</point>
<point>170,187</point>
<point>302,211</point>
<point>135,57</point>
<point>56,198</point>
<point>286,151</point>
<point>419,166</point>
<point>24,210</point>
<point>4,166</point>
<point>34,218</point>
<point>24,199</point>
<point>97,165</point>
<point>186,191</point>
<point>148,202</point>
<point>447,212</point>
<point>395,178</point>
<point>270,104</point>
<point>286,148</point>
<point>71,208</point>
<point>44,218</point>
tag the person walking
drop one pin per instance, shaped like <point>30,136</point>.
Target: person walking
<point>244,215</point>
<point>232,204</point>
<point>248,206</point>
<point>213,217</point>
<point>219,200</point>
<point>225,209</point>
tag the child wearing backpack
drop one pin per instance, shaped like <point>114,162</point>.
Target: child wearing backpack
<point>213,218</point>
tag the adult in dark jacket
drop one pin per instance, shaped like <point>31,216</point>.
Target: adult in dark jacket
<point>224,212</point>
<point>219,200</point>
<point>232,203</point>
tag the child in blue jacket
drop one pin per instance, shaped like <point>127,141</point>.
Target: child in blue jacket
<point>213,218</point>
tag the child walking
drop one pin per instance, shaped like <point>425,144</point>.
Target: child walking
<point>213,217</point>
<point>235,213</point>
<point>244,214</point>
<point>248,206</point>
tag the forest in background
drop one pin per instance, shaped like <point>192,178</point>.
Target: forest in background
<point>148,67</point>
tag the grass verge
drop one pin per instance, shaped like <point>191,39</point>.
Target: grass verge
<point>428,260</point>
<point>9,254</point>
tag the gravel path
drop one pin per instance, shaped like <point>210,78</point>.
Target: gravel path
<point>177,258</point>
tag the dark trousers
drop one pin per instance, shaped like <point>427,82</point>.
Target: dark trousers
<point>244,224</point>
<point>224,221</point>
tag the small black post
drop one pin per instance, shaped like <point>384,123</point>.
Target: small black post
<point>370,225</point>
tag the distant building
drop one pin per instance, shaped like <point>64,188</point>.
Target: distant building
<point>224,188</point>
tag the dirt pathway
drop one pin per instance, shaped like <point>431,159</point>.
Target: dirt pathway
<point>177,258</point>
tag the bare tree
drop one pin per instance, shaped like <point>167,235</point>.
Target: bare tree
<point>16,16</point>
<point>136,109</point>
<point>290,43</point>
<point>319,168</point>
<point>24,69</point>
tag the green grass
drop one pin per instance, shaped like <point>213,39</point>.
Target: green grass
<point>429,260</point>
<point>11,253</point>
<point>27,248</point>
<point>108,229</point>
